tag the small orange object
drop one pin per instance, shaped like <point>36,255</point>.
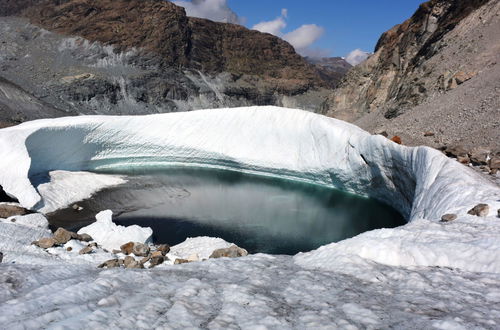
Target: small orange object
<point>396,139</point>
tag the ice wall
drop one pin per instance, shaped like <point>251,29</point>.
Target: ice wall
<point>294,144</point>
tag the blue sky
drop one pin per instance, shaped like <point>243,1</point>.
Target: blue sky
<point>324,27</point>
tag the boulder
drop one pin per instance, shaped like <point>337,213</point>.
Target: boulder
<point>135,265</point>
<point>479,156</point>
<point>46,242</point>
<point>231,252</point>
<point>140,250</point>
<point>84,237</point>
<point>112,263</point>
<point>62,236</point>
<point>448,217</point>
<point>494,163</point>
<point>128,260</point>
<point>156,254</point>
<point>164,248</point>
<point>155,261</point>
<point>480,210</point>
<point>463,159</point>
<point>9,210</point>
<point>396,139</point>
<point>86,250</point>
<point>127,248</point>
<point>456,150</point>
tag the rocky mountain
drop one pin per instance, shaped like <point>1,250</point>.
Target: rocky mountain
<point>144,56</point>
<point>438,72</point>
<point>331,68</point>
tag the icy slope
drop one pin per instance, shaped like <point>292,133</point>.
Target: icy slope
<point>420,182</point>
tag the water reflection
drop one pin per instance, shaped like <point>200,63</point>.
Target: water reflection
<point>260,214</point>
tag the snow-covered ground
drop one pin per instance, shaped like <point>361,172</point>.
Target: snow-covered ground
<point>425,274</point>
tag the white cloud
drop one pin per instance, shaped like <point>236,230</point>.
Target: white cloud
<point>215,10</point>
<point>274,27</point>
<point>301,39</point>
<point>356,56</point>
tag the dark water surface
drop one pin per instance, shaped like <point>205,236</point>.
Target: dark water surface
<point>259,214</point>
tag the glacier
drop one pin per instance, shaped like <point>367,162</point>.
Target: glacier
<point>431,268</point>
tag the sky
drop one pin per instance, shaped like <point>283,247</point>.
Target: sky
<point>317,28</point>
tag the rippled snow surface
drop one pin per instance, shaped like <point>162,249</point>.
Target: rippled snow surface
<point>260,290</point>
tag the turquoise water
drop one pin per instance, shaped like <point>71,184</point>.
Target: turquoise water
<point>259,214</point>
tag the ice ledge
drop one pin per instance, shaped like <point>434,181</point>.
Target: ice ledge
<point>420,182</point>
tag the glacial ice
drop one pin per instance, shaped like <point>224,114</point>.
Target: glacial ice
<point>421,275</point>
<point>111,236</point>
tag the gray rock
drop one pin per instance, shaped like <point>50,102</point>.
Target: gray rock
<point>112,263</point>
<point>231,252</point>
<point>86,250</point>
<point>480,210</point>
<point>456,150</point>
<point>135,265</point>
<point>84,237</point>
<point>180,261</point>
<point>140,250</point>
<point>479,156</point>
<point>448,217</point>
<point>45,243</point>
<point>128,260</point>
<point>62,236</point>
<point>495,163</point>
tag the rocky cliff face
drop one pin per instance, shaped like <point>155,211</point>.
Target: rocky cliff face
<point>123,56</point>
<point>399,75</point>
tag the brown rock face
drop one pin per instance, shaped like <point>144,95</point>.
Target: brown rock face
<point>7,210</point>
<point>395,77</point>
<point>161,28</point>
